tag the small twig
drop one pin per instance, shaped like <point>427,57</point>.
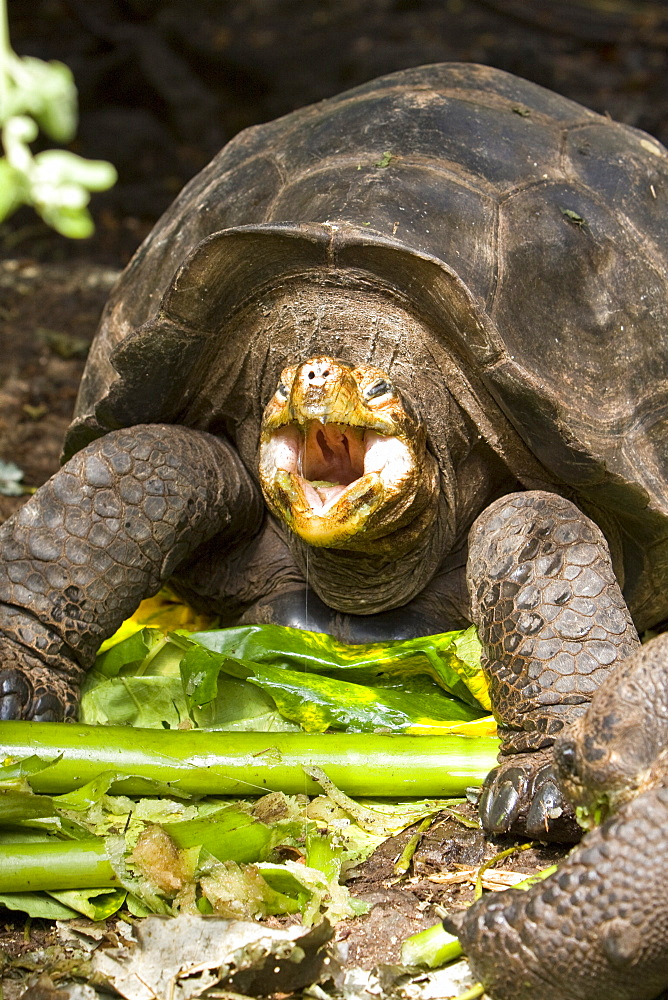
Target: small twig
<point>492,861</point>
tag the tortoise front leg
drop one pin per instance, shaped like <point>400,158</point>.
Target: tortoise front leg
<point>100,536</point>
<point>553,624</point>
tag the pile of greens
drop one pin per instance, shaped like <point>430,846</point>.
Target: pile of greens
<point>124,810</point>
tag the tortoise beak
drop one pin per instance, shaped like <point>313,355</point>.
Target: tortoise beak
<point>327,462</point>
<point>327,479</point>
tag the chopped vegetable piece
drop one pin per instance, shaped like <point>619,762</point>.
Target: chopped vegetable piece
<point>218,763</point>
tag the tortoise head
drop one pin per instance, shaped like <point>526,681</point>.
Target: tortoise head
<point>343,457</point>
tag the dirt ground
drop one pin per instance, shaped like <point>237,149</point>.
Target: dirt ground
<point>162,86</point>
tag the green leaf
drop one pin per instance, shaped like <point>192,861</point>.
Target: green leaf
<point>96,904</point>
<point>573,217</point>
<point>131,652</point>
<point>451,658</point>
<point>38,904</point>
<point>76,224</point>
<point>12,194</point>
<point>10,474</point>
<point>145,702</point>
<point>23,808</point>
<point>46,92</point>
<point>271,678</point>
<point>60,167</point>
<point>58,113</point>
<point>319,703</point>
<point>81,799</point>
<point>158,700</point>
<point>17,771</point>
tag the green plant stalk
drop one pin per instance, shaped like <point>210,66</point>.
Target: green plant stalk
<point>60,864</point>
<point>475,991</point>
<point>322,853</point>
<point>509,851</point>
<point>403,862</point>
<point>432,948</point>
<point>230,835</point>
<point>202,762</point>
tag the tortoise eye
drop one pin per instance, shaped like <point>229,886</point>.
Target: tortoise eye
<point>281,391</point>
<point>379,388</point>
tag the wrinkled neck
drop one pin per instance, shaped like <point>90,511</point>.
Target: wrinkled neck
<point>398,568</point>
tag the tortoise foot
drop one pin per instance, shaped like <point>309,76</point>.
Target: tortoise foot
<point>553,625</point>
<point>596,928</point>
<point>45,701</point>
<point>30,690</point>
<point>15,694</point>
<point>521,797</point>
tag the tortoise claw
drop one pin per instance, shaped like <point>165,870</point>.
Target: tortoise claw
<point>47,708</point>
<point>522,798</point>
<point>547,804</point>
<point>501,799</point>
<point>15,694</point>
<point>26,695</point>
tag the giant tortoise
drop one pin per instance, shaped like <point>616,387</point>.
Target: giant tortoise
<point>405,350</point>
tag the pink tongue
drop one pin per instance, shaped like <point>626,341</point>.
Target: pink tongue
<point>332,456</point>
<point>322,495</point>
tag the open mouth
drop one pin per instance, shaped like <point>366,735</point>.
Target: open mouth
<point>328,462</point>
<point>331,457</point>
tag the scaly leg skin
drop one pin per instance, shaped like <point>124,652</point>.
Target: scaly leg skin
<point>553,624</point>
<point>104,533</point>
<point>599,926</point>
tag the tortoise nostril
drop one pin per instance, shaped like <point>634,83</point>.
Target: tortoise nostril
<point>325,374</point>
<point>311,374</point>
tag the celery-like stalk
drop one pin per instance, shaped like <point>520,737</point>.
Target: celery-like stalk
<point>62,864</point>
<point>218,763</point>
<point>432,947</point>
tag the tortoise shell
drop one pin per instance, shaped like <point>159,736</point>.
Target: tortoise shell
<point>531,232</point>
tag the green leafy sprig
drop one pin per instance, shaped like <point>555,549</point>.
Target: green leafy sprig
<point>42,95</point>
